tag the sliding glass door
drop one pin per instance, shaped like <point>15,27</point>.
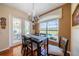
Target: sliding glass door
<point>27,27</point>
<point>43,27</point>
<point>50,28</point>
<point>16,29</point>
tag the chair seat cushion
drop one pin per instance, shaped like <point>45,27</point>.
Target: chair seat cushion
<point>55,50</point>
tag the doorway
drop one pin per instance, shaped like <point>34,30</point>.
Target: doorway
<point>16,30</point>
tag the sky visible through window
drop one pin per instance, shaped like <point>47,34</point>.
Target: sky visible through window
<point>53,23</point>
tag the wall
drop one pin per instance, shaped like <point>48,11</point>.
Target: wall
<point>8,12</point>
<point>74,33</point>
<point>65,23</point>
<point>73,7</point>
<point>74,13</point>
<point>75,41</point>
<point>52,15</point>
<point>4,33</point>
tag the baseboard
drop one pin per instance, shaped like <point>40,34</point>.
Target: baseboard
<point>5,49</point>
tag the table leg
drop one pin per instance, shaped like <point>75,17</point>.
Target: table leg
<point>31,49</point>
<point>38,50</point>
<point>47,46</point>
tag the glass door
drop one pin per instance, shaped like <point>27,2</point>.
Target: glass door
<point>27,27</point>
<point>53,29</point>
<point>16,29</point>
<point>50,28</point>
<point>43,27</point>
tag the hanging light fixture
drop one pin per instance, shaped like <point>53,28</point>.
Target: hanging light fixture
<point>34,17</point>
<point>33,13</point>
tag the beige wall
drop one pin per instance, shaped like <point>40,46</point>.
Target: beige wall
<point>51,15</point>
<point>73,7</point>
<point>4,33</point>
<point>65,23</point>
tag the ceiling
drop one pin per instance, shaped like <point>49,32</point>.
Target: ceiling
<point>39,8</point>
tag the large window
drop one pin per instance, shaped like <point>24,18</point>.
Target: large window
<point>16,29</point>
<point>27,27</point>
<point>43,27</point>
<point>50,28</point>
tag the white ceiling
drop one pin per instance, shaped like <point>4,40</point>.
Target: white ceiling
<point>39,8</point>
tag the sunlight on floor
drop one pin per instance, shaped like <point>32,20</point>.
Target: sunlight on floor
<point>17,51</point>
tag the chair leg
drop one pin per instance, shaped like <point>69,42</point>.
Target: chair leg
<point>22,50</point>
<point>27,51</point>
<point>44,46</point>
<point>65,54</point>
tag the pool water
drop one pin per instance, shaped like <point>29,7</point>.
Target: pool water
<point>51,35</point>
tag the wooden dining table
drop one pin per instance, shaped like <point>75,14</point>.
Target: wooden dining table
<point>38,40</point>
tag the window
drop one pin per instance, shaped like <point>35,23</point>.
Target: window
<point>51,28</point>
<point>27,27</point>
<point>43,27</point>
<point>16,29</point>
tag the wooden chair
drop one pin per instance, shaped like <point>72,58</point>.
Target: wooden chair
<point>26,43</point>
<point>44,48</point>
<point>27,46</point>
<point>60,50</point>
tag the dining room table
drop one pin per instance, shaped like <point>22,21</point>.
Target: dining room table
<point>38,40</point>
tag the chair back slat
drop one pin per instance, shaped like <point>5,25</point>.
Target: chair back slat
<point>25,40</point>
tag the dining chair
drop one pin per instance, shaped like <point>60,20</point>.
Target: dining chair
<point>60,50</point>
<point>33,47</point>
<point>28,47</point>
<point>44,48</point>
<point>26,44</point>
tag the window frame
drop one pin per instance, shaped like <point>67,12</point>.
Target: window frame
<point>28,27</point>
<point>50,30</point>
<point>14,27</point>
